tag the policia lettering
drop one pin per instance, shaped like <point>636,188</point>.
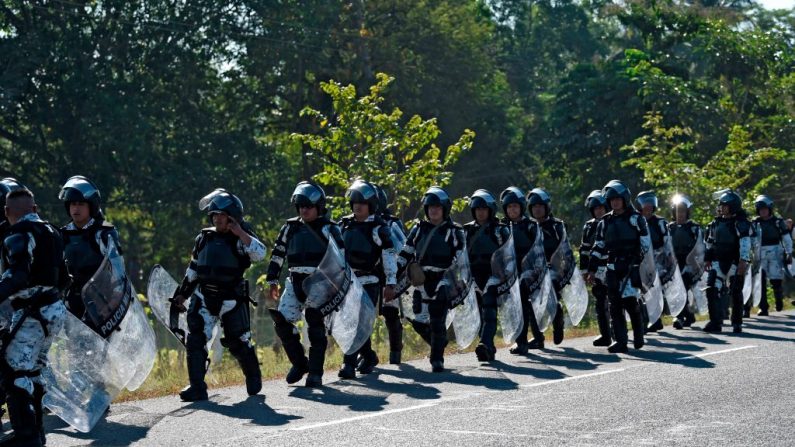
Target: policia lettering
<point>370,252</point>
<point>302,242</point>
<point>443,242</point>
<point>33,273</point>
<point>221,255</point>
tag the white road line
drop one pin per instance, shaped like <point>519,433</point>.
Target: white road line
<point>568,379</point>
<point>470,395</point>
<point>707,354</point>
<point>367,416</point>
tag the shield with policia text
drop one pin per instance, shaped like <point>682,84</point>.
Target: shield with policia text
<point>504,277</point>
<point>573,290</point>
<point>671,279</point>
<point>462,297</point>
<point>335,291</point>
<point>652,294</point>
<point>536,279</point>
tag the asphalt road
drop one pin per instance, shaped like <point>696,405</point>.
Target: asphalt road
<point>684,388</point>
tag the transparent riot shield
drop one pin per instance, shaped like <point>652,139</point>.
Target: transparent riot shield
<point>113,307</point>
<point>653,294</point>
<point>699,295</point>
<point>748,285</point>
<point>80,381</point>
<point>674,289</point>
<point>159,291</point>
<point>335,291</point>
<point>573,290</point>
<point>504,278</point>
<point>536,278</point>
<point>464,314</point>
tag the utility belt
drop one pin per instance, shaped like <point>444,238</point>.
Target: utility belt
<point>222,292</point>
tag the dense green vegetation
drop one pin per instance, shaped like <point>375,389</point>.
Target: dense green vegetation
<point>159,102</point>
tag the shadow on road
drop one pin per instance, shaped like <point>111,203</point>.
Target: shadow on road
<point>458,376</point>
<point>337,394</point>
<point>254,409</point>
<point>131,428</point>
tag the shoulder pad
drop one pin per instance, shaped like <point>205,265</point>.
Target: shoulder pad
<point>16,243</point>
<point>107,225</point>
<point>208,230</point>
<point>457,226</point>
<point>294,221</point>
<point>743,226</point>
<point>470,224</point>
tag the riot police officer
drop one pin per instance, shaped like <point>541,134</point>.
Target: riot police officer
<point>525,231</point>
<point>87,238</point>
<point>597,207</point>
<point>685,234</point>
<point>775,251</point>
<point>214,278</point>
<point>539,203</point>
<point>658,231</point>
<point>302,242</point>
<point>434,243</point>
<point>390,310</point>
<point>484,235</point>
<point>622,240</point>
<point>728,240</point>
<point>32,275</point>
<point>371,255</point>
<point>7,185</point>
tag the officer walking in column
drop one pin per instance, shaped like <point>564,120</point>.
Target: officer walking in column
<point>775,251</point>
<point>621,242</point>
<point>685,234</point>
<point>214,278</point>
<point>32,275</point>
<point>434,243</point>
<point>302,242</point>
<point>597,206</point>
<point>524,231</point>
<point>728,241</point>
<point>485,234</point>
<point>369,252</point>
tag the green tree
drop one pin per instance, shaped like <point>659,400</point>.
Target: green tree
<point>360,140</point>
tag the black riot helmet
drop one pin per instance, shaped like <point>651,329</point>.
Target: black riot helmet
<point>309,194</point>
<point>435,195</point>
<point>595,199</point>
<point>510,195</point>
<point>7,185</point>
<point>763,201</point>
<point>539,197</point>
<point>729,198</point>
<point>222,201</point>
<point>680,200</point>
<point>483,199</point>
<point>647,198</point>
<point>383,200</point>
<point>81,189</point>
<point>617,188</point>
<point>363,192</point>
